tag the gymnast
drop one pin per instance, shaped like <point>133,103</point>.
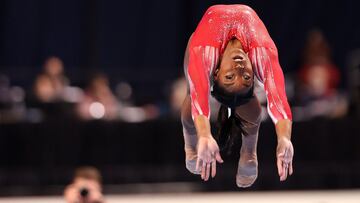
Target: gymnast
<point>229,51</point>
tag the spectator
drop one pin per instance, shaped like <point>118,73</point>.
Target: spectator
<point>98,101</point>
<point>179,90</point>
<point>50,84</point>
<point>12,106</point>
<point>319,78</point>
<point>178,94</point>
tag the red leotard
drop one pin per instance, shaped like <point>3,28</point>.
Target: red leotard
<point>218,26</point>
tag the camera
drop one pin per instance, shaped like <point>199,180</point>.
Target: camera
<point>84,192</point>
<point>86,187</point>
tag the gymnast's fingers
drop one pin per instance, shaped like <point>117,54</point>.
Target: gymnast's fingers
<point>203,170</point>
<point>286,161</point>
<point>197,164</point>
<point>218,157</point>
<point>279,166</point>
<point>207,171</point>
<point>213,168</point>
<point>285,171</point>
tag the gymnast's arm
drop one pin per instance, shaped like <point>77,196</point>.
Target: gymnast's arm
<point>199,84</point>
<point>268,70</point>
<point>202,123</point>
<point>264,57</point>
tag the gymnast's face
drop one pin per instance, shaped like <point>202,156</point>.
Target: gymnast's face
<point>235,74</point>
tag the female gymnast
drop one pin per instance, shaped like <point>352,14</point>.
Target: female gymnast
<point>229,46</point>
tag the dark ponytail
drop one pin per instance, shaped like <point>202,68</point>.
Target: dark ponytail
<point>229,127</point>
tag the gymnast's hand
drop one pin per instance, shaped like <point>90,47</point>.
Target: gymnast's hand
<point>284,155</point>
<point>207,153</point>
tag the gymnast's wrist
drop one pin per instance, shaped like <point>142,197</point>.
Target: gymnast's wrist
<point>283,129</point>
<point>202,125</point>
<point>282,139</point>
<point>204,135</point>
<point>283,136</point>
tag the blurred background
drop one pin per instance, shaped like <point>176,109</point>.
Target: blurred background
<point>100,84</point>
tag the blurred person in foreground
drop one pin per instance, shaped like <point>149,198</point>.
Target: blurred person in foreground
<point>319,79</point>
<point>50,85</point>
<point>229,49</point>
<point>85,187</point>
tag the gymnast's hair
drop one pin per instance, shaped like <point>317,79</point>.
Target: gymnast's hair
<point>229,127</point>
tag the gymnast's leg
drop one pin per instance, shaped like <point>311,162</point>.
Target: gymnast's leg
<point>250,116</point>
<point>190,136</point>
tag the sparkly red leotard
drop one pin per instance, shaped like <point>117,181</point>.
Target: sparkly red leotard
<point>219,25</point>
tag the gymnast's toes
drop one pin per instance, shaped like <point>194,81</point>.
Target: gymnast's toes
<point>245,181</point>
<point>247,173</point>
<point>191,166</point>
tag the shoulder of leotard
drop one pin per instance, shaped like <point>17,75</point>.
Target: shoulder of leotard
<point>222,7</point>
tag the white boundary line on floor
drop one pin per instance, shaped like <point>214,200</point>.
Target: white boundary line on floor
<point>331,196</point>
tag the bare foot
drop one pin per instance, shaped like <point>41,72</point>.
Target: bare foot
<point>247,169</point>
<point>190,160</point>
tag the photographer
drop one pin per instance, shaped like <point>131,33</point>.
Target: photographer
<point>85,187</point>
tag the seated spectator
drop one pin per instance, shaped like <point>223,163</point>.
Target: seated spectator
<point>177,95</point>
<point>12,106</point>
<point>319,75</point>
<point>98,101</point>
<point>319,78</point>
<point>50,84</point>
